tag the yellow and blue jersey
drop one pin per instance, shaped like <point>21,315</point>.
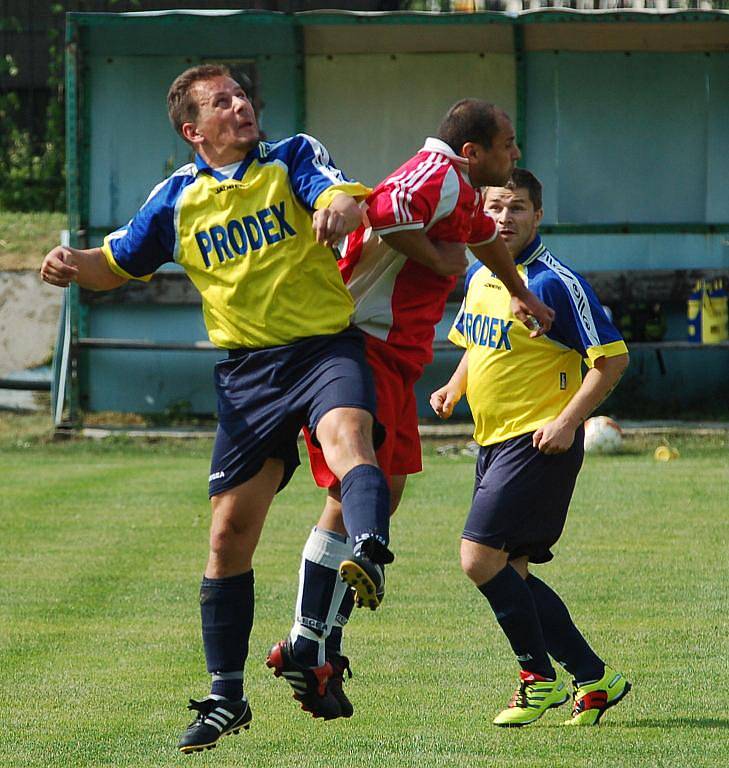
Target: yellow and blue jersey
<point>246,242</point>
<point>517,384</point>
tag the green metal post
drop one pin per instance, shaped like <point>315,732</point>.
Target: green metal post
<point>300,84</point>
<point>73,208</point>
<point>521,89</point>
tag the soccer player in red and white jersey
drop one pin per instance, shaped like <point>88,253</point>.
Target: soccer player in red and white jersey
<point>400,267</point>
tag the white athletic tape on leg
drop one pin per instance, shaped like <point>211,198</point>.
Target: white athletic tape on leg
<point>299,630</point>
<point>333,617</point>
<point>325,549</point>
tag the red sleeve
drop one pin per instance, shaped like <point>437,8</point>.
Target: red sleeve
<point>408,198</point>
<point>483,228</point>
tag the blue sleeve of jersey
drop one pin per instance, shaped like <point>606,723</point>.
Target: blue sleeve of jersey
<point>148,241</point>
<point>580,322</point>
<point>311,169</point>
<point>458,322</point>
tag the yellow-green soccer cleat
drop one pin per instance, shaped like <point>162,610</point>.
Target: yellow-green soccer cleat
<point>366,578</point>
<point>592,699</point>
<point>534,696</point>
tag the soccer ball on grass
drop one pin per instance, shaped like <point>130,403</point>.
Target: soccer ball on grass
<point>602,435</point>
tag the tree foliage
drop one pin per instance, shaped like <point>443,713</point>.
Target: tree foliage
<point>32,174</point>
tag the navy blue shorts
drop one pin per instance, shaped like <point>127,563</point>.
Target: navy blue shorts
<point>521,496</point>
<point>265,397</point>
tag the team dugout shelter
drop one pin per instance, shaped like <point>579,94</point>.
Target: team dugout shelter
<point>621,114</point>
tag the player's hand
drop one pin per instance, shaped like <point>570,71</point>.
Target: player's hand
<point>553,437</point>
<point>536,315</point>
<point>58,267</point>
<point>444,400</point>
<point>330,226</point>
<point>452,259</point>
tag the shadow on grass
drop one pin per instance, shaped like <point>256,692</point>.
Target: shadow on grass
<point>678,722</point>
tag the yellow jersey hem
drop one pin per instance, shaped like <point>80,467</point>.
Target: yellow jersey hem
<point>613,349</point>
<point>524,430</point>
<point>116,269</point>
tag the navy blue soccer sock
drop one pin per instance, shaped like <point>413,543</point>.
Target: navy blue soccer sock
<point>229,685</point>
<point>226,610</point>
<point>366,511</point>
<point>564,641</point>
<point>512,603</point>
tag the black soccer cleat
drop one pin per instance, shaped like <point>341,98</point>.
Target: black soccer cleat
<point>215,718</point>
<point>366,578</point>
<point>309,683</point>
<point>340,665</point>
<point>376,550</point>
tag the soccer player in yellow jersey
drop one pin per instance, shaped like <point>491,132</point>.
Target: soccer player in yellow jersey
<point>252,224</point>
<point>529,402</point>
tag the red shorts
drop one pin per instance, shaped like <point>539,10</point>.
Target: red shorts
<point>396,410</point>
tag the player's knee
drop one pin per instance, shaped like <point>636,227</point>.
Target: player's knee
<point>224,539</point>
<point>345,436</point>
<point>231,551</point>
<point>481,563</point>
<point>354,440</point>
<point>230,534</point>
<point>469,564</point>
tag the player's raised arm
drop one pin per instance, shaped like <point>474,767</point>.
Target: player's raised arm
<point>88,268</point>
<point>527,308</point>
<point>445,399</point>
<point>342,216</point>
<point>324,189</point>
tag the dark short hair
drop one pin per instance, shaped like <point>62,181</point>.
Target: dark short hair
<point>523,179</point>
<point>181,104</point>
<point>470,120</point>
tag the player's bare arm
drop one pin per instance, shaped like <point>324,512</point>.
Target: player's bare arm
<point>558,435</point>
<point>88,268</point>
<point>527,308</point>
<point>342,216</point>
<point>444,259</point>
<point>445,399</point>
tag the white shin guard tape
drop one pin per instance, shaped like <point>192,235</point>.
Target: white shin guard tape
<point>326,550</point>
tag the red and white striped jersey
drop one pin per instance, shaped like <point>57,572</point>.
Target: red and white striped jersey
<point>397,299</point>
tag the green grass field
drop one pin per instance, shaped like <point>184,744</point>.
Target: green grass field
<point>103,545</point>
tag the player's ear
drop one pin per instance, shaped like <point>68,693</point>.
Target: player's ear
<point>470,150</point>
<point>538,216</point>
<point>190,133</point>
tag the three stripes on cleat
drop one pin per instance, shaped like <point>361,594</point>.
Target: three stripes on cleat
<point>294,678</point>
<point>215,718</point>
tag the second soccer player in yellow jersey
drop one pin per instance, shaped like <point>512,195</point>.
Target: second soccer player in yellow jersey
<point>529,401</point>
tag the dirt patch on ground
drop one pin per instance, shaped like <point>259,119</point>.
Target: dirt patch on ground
<point>25,238</point>
<point>29,312</point>
<point>19,262</point>
<point>29,309</point>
